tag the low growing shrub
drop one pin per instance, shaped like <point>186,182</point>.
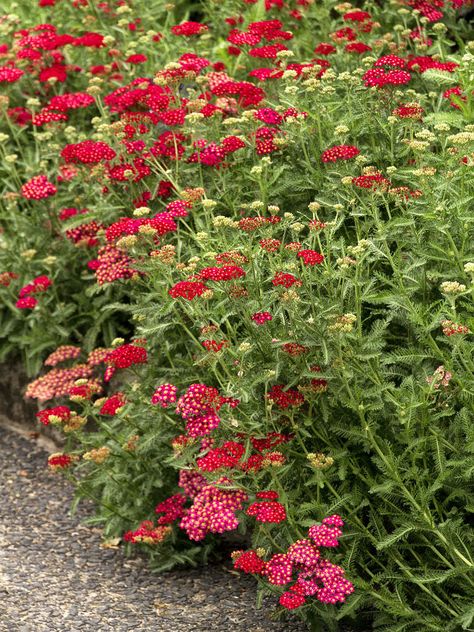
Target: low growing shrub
<point>244,243</point>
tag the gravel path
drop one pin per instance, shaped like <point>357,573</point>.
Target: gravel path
<point>55,577</point>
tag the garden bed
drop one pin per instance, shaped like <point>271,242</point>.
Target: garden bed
<point>236,265</point>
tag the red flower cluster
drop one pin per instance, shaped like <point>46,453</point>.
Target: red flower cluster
<point>88,152</point>
<point>339,152</point>
<point>452,329</point>
<point>285,398</point>
<point>51,415</point>
<point>59,461</point>
<point>188,29</point>
<point>310,257</point>
<point>260,318</point>
<point>38,285</point>
<point>113,404</point>
<point>125,356</point>
<point>187,289</point>
<point>269,511</point>
<point>224,273</point>
<point>147,534</point>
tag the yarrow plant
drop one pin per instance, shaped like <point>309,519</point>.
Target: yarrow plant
<point>236,258</point>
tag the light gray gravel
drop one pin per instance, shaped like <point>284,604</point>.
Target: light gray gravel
<point>55,577</point>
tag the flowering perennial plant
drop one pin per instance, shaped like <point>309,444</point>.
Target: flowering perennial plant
<point>236,257</point>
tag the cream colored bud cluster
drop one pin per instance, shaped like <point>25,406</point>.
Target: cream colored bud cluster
<point>141,211</point>
<point>127,242</point>
<point>285,54</point>
<point>452,288</point>
<point>346,262</point>
<point>348,78</point>
<point>297,227</point>
<point>209,204</point>
<point>98,455</point>
<point>319,460</point>
<point>28,254</point>
<point>343,324</point>
<point>194,117</point>
<point>442,127</point>
<point>256,205</point>
<point>147,230</point>
<point>220,221</point>
<point>359,248</point>
<point>416,145</point>
<point>244,347</point>
<point>290,296</point>
<point>426,134</point>
<point>463,138</point>
<point>190,266</point>
<point>425,171</point>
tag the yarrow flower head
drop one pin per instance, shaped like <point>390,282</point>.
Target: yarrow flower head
<point>61,354</point>
<point>248,562</point>
<point>187,290</point>
<point>285,398</point>
<point>310,257</point>
<point>113,404</point>
<point>270,511</point>
<point>88,152</point>
<point>213,510</point>
<point>260,318</point>
<point>147,533</point>
<point>60,461</point>
<point>328,532</point>
<point>165,395</point>
<point>126,355</point>
<point>339,152</point>
<point>302,564</point>
<point>38,188</point>
<point>188,29</point>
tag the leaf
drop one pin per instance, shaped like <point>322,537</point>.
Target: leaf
<point>394,537</point>
<point>440,77</point>
<point>467,618</point>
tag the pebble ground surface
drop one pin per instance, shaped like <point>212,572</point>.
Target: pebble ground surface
<point>54,577</point>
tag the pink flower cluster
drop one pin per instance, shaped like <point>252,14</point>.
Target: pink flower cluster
<point>199,406</point>
<point>165,395</point>
<point>38,188</point>
<point>213,510</point>
<point>61,354</point>
<point>268,509</point>
<point>312,576</point>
